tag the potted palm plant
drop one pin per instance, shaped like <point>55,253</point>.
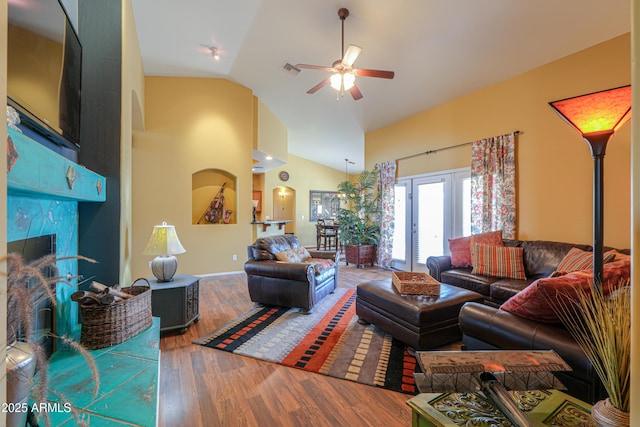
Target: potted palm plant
<point>358,219</point>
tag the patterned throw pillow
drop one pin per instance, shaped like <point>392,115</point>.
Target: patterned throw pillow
<point>460,248</point>
<point>303,253</point>
<point>321,264</point>
<point>498,261</point>
<point>290,255</point>
<point>535,302</point>
<point>577,259</point>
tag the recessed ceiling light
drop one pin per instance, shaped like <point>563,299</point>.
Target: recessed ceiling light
<point>268,158</point>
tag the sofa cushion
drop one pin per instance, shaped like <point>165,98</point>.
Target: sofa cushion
<point>462,278</point>
<point>502,290</point>
<point>541,257</point>
<point>577,259</point>
<point>498,261</point>
<point>267,247</point>
<point>535,303</point>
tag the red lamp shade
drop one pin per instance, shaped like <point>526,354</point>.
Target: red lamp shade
<point>596,112</point>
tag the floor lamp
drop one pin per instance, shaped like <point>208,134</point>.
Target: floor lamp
<point>597,116</point>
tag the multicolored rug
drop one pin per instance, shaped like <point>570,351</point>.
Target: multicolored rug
<point>328,341</point>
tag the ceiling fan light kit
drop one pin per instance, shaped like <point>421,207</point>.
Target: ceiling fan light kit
<point>343,75</point>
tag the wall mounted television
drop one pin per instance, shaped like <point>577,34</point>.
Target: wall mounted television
<point>44,70</point>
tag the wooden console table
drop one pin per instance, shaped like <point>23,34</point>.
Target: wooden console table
<point>543,408</point>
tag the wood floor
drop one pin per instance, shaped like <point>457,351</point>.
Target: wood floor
<point>200,386</point>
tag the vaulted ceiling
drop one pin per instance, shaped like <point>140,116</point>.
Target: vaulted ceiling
<point>439,50</point>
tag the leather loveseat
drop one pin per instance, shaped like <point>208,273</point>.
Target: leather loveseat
<point>487,327</point>
<point>289,284</point>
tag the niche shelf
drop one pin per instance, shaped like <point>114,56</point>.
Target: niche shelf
<point>213,197</point>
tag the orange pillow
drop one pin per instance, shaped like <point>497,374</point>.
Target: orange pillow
<point>498,261</point>
<point>460,248</point>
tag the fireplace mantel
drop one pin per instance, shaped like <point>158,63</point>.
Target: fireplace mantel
<point>33,169</point>
<point>44,190</point>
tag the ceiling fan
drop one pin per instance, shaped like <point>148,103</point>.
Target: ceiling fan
<point>343,75</point>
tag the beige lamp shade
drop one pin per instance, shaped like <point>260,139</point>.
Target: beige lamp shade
<point>165,244</point>
<point>164,241</point>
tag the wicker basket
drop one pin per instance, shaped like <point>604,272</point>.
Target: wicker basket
<point>111,324</point>
<point>411,283</point>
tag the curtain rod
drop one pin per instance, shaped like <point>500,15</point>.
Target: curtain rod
<point>516,132</point>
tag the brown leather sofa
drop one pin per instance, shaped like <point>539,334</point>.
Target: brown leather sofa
<point>486,327</point>
<point>540,258</point>
<point>287,284</point>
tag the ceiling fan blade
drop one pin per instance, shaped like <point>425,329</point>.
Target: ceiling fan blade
<point>350,55</point>
<point>319,86</point>
<point>313,67</point>
<point>355,93</point>
<point>374,73</point>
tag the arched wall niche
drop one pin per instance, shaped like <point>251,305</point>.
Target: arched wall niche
<point>214,197</point>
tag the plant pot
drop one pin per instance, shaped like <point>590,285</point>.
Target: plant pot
<point>360,254</point>
<point>604,414</point>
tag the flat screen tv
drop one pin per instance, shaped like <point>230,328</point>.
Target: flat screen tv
<point>44,68</point>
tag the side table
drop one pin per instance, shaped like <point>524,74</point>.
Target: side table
<point>542,407</point>
<point>176,303</point>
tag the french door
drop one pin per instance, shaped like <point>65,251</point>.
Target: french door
<point>429,210</point>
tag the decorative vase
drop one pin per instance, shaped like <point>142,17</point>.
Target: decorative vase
<point>604,414</point>
<point>21,365</point>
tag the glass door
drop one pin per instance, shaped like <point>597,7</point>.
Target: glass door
<point>429,210</point>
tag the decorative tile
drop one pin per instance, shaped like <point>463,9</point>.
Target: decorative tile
<point>12,154</point>
<point>71,177</point>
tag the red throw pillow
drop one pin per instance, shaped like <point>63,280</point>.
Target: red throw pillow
<point>533,302</point>
<point>460,248</point>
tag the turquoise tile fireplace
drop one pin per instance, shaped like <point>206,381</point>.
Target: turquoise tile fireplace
<point>44,190</point>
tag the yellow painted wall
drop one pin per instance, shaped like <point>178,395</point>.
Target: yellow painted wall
<point>273,135</point>
<point>554,164</point>
<point>305,176</point>
<point>132,111</point>
<point>192,124</point>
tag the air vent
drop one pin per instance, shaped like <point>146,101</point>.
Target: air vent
<point>290,69</point>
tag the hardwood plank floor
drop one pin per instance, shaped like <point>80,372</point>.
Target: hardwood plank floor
<point>200,386</point>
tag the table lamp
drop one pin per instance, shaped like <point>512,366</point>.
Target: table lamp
<point>165,244</point>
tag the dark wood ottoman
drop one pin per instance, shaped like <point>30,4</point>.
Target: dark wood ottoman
<point>420,321</point>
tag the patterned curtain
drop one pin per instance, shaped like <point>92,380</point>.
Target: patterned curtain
<point>493,190</point>
<point>386,183</point>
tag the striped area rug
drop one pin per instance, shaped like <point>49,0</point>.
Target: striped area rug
<point>329,341</point>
